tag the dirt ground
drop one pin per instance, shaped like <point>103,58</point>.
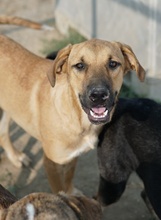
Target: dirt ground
<point>33,179</point>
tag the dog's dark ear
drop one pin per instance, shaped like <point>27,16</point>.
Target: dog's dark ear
<point>131,61</point>
<point>58,64</point>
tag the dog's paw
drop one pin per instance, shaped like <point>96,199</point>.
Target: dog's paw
<point>19,159</point>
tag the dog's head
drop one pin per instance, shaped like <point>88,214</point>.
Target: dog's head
<point>95,71</point>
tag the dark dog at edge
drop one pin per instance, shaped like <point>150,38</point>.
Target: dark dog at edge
<point>131,142</point>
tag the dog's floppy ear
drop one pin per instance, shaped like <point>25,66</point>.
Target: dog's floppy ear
<point>58,64</point>
<point>132,62</point>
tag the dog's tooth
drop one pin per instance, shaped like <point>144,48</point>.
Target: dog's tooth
<point>106,112</point>
<point>98,116</point>
<point>92,113</point>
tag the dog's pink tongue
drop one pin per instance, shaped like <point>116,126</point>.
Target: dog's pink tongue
<point>99,110</point>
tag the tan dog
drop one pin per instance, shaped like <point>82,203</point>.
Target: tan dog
<point>67,117</point>
<point>40,206</point>
<point>5,19</point>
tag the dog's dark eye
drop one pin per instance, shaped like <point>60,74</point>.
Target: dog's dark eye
<point>80,66</point>
<point>113,64</point>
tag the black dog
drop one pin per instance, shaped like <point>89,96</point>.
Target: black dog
<point>131,142</point>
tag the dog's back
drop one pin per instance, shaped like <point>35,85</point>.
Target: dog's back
<point>41,206</point>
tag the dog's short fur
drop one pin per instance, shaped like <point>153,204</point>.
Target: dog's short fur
<point>131,142</point>
<point>67,117</point>
<point>40,206</point>
<point>5,19</point>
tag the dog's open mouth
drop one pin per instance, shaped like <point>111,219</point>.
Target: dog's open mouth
<point>98,115</point>
<point>99,112</point>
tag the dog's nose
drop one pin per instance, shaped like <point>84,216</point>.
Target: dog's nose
<point>99,95</point>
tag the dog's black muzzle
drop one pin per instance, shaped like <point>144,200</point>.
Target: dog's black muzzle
<point>97,101</point>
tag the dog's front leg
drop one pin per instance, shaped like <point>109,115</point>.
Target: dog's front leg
<point>16,157</point>
<point>60,176</point>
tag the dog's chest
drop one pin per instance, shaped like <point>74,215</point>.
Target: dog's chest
<point>84,144</point>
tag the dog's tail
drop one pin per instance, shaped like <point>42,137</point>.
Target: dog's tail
<point>5,19</point>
